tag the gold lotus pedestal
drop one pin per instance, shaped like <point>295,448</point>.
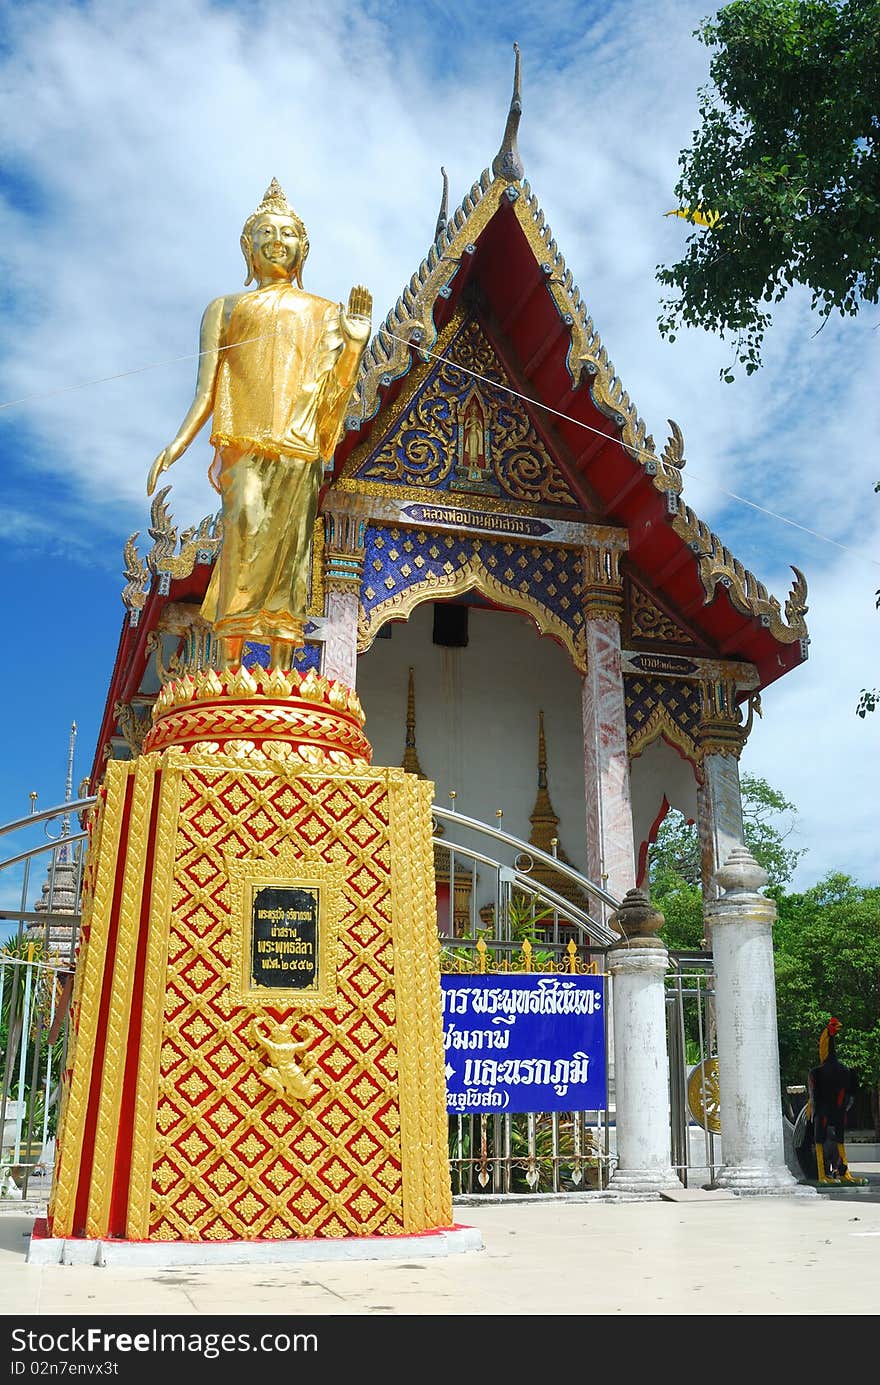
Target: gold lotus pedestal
<point>256,1059</point>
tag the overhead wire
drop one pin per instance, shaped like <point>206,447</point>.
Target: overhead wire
<point>124,374</point>
<point>630,447</point>
<point>641,452</point>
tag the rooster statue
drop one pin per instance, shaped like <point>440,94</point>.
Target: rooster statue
<point>832,1088</point>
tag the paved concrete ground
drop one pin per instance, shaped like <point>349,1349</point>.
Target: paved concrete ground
<point>761,1256</point>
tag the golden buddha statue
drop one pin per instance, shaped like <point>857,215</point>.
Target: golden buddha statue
<point>277,368</point>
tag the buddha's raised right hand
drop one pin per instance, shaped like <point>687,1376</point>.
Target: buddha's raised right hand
<point>355,320</point>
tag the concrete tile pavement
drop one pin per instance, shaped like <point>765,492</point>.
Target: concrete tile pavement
<point>749,1256</point>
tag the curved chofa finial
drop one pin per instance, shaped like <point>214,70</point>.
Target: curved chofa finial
<point>443,217</point>
<point>507,163</point>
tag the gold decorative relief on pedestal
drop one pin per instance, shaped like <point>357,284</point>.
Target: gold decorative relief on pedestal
<point>305,717</point>
<point>163,894</point>
<point>86,1004</point>
<point>312,1110</point>
<point>121,991</point>
<point>285,1073</point>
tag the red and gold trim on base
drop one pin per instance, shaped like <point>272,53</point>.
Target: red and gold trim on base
<point>285,714</point>
<point>175,1126</point>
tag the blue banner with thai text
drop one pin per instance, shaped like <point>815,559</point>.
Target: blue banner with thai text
<point>524,1043</point>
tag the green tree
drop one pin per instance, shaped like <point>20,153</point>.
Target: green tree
<point>826,939</point>
<point>786,160</point>
<point>768,821</point>
<point>674,864</point>
<point>828,963</point>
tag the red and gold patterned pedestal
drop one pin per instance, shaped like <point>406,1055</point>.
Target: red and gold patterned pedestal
<point>203,1106</point>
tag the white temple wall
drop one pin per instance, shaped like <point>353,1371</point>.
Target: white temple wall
<point>477,726</point>
<point>477,718</point>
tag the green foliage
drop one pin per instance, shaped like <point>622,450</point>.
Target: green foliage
<point>524,914</point>
<point>767,828</point>
<point>674,866</point>
<point>787,156</point>
<point>826,939</point>
<point>828,963</point>
<point>681,905</point>
<point>675,855</point>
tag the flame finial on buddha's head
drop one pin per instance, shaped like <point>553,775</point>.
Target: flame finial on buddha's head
<point>274,203</point>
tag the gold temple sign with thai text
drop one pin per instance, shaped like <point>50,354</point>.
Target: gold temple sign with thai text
<point>668,665</point>
<point>284,947</point>
<point>474,519</point>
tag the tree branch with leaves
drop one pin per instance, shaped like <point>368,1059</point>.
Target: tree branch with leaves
<point>786,168</point>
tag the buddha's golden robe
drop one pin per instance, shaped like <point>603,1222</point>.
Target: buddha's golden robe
<point>283,386</point>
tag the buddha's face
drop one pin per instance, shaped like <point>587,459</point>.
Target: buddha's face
<point>276,247</point>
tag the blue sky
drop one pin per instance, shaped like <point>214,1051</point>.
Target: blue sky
<point>135,139</point>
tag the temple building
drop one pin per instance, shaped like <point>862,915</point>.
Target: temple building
<point>503,556</point>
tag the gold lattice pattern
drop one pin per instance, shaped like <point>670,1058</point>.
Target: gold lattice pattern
<point>231,1159</point>
<point>661,706</point>
<point>405,566</point>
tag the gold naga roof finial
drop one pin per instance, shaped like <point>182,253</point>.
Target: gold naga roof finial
<point>443,216</point>
<point>274,203</point>
<point>507,163</point>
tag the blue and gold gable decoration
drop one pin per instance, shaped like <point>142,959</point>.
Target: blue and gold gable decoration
<point>475,491</point>
<point>451,432</point>
<point>403,567</point>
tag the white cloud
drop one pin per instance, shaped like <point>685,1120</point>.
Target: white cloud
<point>811,744</point>
<point>137,137</point>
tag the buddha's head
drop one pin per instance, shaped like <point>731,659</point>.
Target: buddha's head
<point>274,241</point>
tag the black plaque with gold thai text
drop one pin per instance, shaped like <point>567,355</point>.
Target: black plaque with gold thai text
<point>284,937</point>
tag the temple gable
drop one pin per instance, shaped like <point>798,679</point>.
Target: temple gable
<point>451,432</point>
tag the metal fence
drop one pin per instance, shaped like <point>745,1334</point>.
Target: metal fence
<point>36,978</point>
<point>693,1067</point>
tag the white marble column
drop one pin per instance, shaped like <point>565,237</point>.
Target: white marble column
<point>345,524</point>
<point>610,851</point>
<point>340,636</point>
<point>719,817</point>
<point>638,966</point>
<point>752,1151</point>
